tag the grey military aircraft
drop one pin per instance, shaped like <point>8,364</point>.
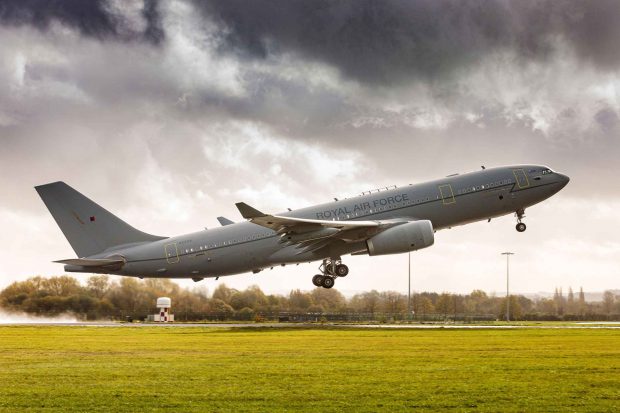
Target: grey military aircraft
<point>388,221</point>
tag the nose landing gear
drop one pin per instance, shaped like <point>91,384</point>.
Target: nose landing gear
<point>330,269</point>
<point>520,225</point>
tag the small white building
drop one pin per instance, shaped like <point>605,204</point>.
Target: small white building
<point>164,305</point>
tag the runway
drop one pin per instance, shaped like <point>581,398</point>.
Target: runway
<point>579,325</point>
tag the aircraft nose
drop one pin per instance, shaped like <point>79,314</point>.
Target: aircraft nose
<point>563,180</point>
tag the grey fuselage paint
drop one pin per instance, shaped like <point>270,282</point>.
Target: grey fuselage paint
<point>244,246</point>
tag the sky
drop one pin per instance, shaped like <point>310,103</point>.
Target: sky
<point>167,113</point>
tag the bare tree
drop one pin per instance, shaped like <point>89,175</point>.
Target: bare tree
<point>608,302</point>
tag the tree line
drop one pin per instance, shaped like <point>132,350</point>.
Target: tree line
<point>101,297</point>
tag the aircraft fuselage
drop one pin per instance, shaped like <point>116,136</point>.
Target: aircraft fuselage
<point>245,246</point>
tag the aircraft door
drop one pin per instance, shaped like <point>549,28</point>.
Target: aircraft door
<point>447,195</point>
<point>172,253</point>
<point>521,178</point>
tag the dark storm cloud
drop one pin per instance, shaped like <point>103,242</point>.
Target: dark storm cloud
<point>154,31</point>
<point>388,41</point>
<point>607,119</point>
<point>92,18</point>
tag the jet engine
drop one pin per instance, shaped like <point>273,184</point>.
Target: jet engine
<point>402,238</point>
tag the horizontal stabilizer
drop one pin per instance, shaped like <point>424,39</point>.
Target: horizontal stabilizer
<point>90,262</point>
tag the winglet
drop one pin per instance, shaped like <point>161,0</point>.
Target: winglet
<point>224,221</point>
<point>247,211</point>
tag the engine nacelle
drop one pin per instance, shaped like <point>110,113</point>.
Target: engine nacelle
<point>402,238</point>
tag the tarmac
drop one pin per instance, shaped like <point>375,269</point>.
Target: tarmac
<point>577,325</point>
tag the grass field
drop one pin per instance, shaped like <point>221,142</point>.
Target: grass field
<point>199,369</point>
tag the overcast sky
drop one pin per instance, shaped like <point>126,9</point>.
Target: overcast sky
<point>167,113</point>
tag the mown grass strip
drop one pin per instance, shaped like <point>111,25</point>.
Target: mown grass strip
<point>196,369</point>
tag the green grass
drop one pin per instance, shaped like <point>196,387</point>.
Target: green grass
<point>203,369</point>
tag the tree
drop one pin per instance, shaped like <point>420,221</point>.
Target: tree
<point>581,306</point>
<point>189,305</point>
<point>608,302</point>
<point>299,301</point>
<point>526,305</point>
<point>130,298</point>
<point>477,299</point>
<point>329,299</point>
<point>393,302</point>
<point>316,308</point>
<point>98,285</point>
<point>558,298</point>
<point>158,287</point>
<point>16,293</point>
<point>571,307</point>
<point>251,297</point>
<point>445,304</point>
<point>367,302</point>
<point>514,311</point>
<point>221,308</point>
<point>62,286</point>
<point>246,314</point>
<point>422,305</point>
<point>547,306</point>
<point>223,293</point>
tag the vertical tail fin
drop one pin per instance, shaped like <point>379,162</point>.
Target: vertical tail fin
<point>89,228</point>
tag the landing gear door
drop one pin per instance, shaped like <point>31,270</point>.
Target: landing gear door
<point>172,253</point>
<point>521,178</point>
<point>447,195</point>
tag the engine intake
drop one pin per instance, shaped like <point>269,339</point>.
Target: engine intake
<point>407,237</point>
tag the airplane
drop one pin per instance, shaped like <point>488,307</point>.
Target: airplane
<point>393,220</point>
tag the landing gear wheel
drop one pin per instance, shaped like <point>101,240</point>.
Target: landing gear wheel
<point>342,270</point>
<point>521,227</point>
<point>328,282</point>
<point>318,280</point>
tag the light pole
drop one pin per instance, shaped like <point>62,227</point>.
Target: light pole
<point>409,290</point>
<point>508,254</point>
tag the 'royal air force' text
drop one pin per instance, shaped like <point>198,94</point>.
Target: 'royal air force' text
<point>362,207</point>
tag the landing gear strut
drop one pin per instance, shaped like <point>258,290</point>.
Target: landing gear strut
<point>330,269</point>
<point>520,225</point>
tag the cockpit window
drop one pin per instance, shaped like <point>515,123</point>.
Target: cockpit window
<point>547,171</point>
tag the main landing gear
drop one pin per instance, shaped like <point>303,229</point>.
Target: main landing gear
<point>330,269</point>
<point>520,215</point>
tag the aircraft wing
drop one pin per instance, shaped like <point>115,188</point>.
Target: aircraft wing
<point>280,223</point>
<point>314,234</point>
